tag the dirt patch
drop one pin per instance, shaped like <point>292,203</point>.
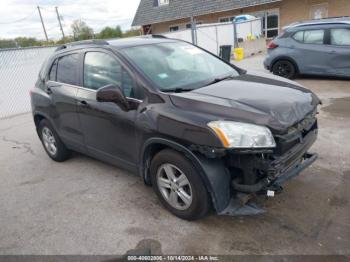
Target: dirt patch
<point>146,247</point>
<point>339,107</point>
<point>347,174</point>
<point>338,201</point>
<point>32,182</point>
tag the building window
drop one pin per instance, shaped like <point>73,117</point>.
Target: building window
<point>319,11</point>
<point>163,2</point>
<point>188,26</point>
<point>226,19</point>
<point>174,28</point>
<point>270,19</point>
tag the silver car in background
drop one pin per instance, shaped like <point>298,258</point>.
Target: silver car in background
<point>315,47</point>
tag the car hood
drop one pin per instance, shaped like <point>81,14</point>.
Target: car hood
<point>253,97</point>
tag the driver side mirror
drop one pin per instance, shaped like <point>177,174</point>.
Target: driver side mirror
<point>113,93</point>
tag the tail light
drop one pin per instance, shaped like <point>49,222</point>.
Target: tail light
<point>271,45</point>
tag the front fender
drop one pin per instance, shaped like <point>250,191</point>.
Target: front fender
<point>213,172</point>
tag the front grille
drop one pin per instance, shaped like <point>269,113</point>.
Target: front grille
<point>295,134</point>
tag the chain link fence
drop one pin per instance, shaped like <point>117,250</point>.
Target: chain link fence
<point>19,69</point>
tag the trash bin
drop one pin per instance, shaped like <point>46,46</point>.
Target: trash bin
<point>225,52</point>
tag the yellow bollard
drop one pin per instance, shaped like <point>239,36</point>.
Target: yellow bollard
<point>238,54</point>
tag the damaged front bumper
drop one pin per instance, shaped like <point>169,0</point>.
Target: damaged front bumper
<point>262,174</point>
<point>241,204</point>
<point>273,170</point>
<point>235,178</point>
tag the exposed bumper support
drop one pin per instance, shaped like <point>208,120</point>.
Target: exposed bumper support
<point>236,208</point>
<point>308,160</point>
<point>265,184</point>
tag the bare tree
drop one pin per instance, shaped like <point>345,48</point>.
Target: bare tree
<point>81,31</point>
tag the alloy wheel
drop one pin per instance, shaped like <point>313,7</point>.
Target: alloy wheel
<point>49,141</point>
<point>174,186</point>
<point>284,69</point>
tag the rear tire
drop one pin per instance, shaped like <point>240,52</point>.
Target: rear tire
<point>284,68</point>
<point>178,185</point>
<point>52,143</point>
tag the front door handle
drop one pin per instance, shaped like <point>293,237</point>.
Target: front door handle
<point>83,103</point>
<point>48,91</point>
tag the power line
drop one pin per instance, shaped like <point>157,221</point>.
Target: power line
<point>95,20</point>
<point>18,20</point>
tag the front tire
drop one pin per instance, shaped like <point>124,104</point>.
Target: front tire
<point>178,185</point>
<point>284,68</point>
<point>53,145</point>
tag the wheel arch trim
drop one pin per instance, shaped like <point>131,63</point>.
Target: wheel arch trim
<point>43,116</point>
<point>213,172</point>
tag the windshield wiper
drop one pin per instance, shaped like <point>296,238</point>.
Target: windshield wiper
<point>219,79</point>
<point>178,90</point>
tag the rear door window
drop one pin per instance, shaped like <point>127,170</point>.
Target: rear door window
<point>340,36</point>
<point>315,37</point>
<point>67,69</point>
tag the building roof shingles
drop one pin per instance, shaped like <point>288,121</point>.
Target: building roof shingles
<point>148,13</point>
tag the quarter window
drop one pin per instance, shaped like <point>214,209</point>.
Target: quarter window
<point>67,69</point>
<point>299,36</point>
<point>340,37</point>
<point>100,69</point>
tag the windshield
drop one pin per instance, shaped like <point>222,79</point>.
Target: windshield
<point>177,65</point>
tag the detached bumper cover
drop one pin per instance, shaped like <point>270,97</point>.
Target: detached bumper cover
<point>294,162</point>
<point>308,159</point>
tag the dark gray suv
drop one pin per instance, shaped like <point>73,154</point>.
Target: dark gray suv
<point>201,131</point>
<point>317,47</point>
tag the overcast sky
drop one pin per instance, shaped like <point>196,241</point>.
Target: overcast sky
<point>21,18</point>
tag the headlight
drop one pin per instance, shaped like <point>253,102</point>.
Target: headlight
<point>242,135</point>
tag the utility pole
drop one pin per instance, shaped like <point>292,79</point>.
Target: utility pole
<point>193,26</point>
<point>59,21</point>
<point>42,22</point>
<point>235,37</point>
<point>193,30</point>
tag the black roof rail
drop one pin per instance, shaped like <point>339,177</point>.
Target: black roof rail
<point>83,42</point>
<point>329,20</point>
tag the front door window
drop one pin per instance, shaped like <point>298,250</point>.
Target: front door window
<point>101,69</point>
